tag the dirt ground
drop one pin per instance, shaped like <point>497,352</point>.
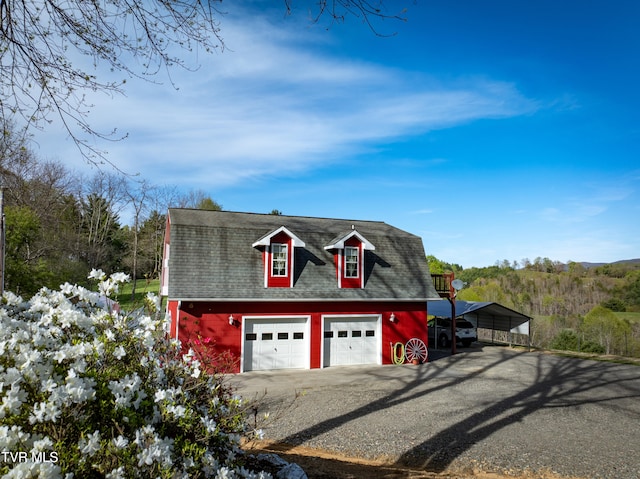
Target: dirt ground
<point>320,464</point>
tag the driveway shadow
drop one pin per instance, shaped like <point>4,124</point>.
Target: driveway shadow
<point>560,383</point>
<point>553,383</point>
<point>413,388</point>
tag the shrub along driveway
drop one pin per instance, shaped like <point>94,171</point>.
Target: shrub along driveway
<point>490,408</point>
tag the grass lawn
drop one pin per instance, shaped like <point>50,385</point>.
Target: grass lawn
<point>631,317</point>
<point>142,288</point>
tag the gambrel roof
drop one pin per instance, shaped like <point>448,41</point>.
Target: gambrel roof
<point>215,255</point>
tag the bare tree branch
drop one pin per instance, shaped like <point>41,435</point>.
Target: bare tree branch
<point>38,40</point>
<point>369,12</point>
<point>44,45</point>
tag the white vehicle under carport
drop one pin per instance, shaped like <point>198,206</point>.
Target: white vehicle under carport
<point>440,329</point>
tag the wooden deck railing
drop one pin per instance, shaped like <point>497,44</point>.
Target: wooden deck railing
<point>442,283</point>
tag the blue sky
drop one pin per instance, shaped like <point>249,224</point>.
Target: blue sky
<point>494,130</point>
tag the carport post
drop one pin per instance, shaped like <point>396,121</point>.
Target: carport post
<point>453,324</point>
<point>493,329</point>
<point>510,334</point>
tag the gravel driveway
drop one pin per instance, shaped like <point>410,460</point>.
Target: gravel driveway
<point>488,407</point>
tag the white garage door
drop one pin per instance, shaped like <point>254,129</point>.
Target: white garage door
<point>351,340</point>
<point>276,343</point>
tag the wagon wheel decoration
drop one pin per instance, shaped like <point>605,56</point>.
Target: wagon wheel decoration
<point>416,349</point>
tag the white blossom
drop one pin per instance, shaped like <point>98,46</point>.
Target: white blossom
<point>119,353</point>
<point>91,444</point>
<point>177,411</point>
<point>156,450</point>
<point>225,473</point>
<point>120,277</point>
<point>116,474</point>
<point>79,389</point>
<point>120,442</point>
<point>209,424</point>
<point>13,400</point>
<point>44,444</point>
<point>97,274</point>
<point>10,437</point>
<point>60,355</point>
<point>38,413</point>
<point>67,289</point>
<point>57,351</point>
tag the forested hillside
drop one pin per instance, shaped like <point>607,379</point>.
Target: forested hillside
<point>59,225</point>
<point>574,305</point>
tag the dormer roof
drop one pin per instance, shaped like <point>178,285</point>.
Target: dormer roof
<point>339,241</point>
<point>266,239</point>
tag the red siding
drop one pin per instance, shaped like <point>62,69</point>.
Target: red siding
<point>211,320</point>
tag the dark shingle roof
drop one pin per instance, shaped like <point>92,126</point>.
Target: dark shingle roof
<point>212,258</point>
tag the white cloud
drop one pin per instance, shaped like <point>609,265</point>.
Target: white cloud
<point>594,200</point>
<point>270,105</point>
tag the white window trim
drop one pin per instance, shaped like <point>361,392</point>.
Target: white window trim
<point>286,261</point>
<point>358,262</point>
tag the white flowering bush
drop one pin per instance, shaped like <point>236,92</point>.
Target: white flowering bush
<point>87,392</point>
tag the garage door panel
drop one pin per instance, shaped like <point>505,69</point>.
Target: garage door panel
<point>276,343</point>
<point>349,340</point>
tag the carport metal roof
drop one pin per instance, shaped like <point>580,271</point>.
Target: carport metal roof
<point>488,315</point>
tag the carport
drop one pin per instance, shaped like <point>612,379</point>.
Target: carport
<point>485,315</point>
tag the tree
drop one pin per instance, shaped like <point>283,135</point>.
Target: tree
<point>137,195</point>
<point>209,205</point>
<point>197,199</point>
<point>602,325</point>
<point>437,266</point>
<point>100,228</point>
<point>631,291</point>
<point>576,268</point>
<point>151,242</point>
<point>40,192</point>
<point>22,254</point>
<point>614,304</point>
<point>569,340</point>
<point>39,39</point>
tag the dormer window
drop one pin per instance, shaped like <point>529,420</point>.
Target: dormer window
<point>348,250</point>
<point>351,262</point>
<point>278,257</point>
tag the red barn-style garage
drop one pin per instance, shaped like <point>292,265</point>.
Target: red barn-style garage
<point>294,292</point>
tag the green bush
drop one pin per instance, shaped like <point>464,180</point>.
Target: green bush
<point>87,393</point>
<point>614,304</point>
<point>568,340</point>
